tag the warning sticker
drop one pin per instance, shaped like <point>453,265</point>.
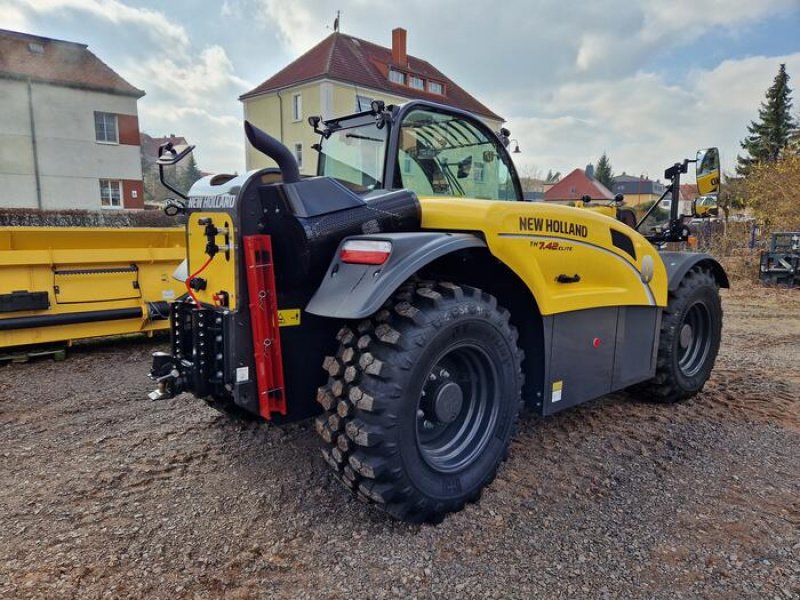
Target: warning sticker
<point>557,387</point>
<point>289,317</point>
<point>242,374</point>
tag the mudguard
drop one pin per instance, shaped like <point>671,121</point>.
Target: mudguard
<point>679,263</point>
<point>354,291</point>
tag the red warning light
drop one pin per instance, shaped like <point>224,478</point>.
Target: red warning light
<point>596,342</point>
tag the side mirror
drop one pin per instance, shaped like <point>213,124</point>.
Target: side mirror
<point>168,154</point>
<point>464,168</point>
<point>705,207</point>
<point>707,171</point>
<point>377,106</point>
<point>315,121</point>
<point>619,199</point>
<point>505,136</point>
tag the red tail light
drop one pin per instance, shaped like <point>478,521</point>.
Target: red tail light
<point>365,252</point>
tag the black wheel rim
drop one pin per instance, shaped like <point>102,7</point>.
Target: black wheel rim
<point>454,426</point>
<point>694,339</point>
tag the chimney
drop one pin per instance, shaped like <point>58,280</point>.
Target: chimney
<point>399,46</point>
<point>590,171</point>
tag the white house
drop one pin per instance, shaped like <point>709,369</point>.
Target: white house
<point>69,128</point>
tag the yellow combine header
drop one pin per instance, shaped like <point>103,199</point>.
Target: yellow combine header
<point>59,284</point>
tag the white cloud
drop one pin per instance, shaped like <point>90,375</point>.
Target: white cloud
<point>663,18</point>
<point>13,17</point>
<point>645,122</point>
<point>195,97</point>
<point>190,91</point>
<point>194,80</point>
<point>153,23</point>
<point>298,23</point>
<point>572,82</point>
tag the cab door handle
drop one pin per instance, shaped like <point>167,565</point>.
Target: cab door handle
<point>564,278</point>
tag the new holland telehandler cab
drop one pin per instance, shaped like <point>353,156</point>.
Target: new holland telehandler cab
<point>412,302</point>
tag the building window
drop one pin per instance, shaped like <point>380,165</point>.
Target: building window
<point>297,107</point>
<point>416,82</point>
<point>435,88</point>
<point>397,77</point>
<point>105,127</point>
<point>477,172</point>
<point>363,103</point>
<point>110,193</point>
<point>298,154</point>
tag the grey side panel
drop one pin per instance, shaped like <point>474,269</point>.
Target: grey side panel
<point>679,263</point>
<point>637,345</point>
<point>597,351</point>
<point>350,291</point>
<point>580,368</point>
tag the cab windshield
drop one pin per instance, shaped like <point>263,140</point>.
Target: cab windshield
<point>450,155</point>
<point>354,153</point>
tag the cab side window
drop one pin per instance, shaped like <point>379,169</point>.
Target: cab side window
<point>442,154</point>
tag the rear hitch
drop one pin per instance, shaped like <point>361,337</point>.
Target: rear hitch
<point>166,375</point>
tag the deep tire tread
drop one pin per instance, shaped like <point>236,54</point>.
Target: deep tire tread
<point>666,387</point>
<point>359,398</point>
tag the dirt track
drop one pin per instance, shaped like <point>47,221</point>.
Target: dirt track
<point>105,494</point>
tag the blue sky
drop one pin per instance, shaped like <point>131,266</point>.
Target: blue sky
<point>648,82</point>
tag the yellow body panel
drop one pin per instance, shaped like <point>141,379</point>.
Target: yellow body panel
<point>85,270</point>
<point>221,271</point>
<point>539,242</point>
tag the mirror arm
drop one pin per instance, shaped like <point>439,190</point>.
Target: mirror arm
<point>167,185</point>
<point>652,208</point>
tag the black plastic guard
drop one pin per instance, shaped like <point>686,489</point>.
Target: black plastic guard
<point>679,263</point>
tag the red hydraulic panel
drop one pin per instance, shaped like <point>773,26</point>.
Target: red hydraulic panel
<point>264,320</point>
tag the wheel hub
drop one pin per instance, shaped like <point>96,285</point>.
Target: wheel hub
<point>686,335</point>
<point>448,402</point>
<point>457,408</point>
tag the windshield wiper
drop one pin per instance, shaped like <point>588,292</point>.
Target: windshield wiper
<point>363,137</point>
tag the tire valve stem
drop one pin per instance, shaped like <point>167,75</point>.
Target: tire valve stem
<point>427,424</point>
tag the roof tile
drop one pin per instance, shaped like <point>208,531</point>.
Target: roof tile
<point>576,185</point>
<point>24,56</point>
<point>353,60</point>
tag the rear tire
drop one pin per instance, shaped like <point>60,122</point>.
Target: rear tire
<point>691,330</point>
<point>422,400</point>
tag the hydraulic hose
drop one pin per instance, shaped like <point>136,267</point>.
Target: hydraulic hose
<point>192,276</point>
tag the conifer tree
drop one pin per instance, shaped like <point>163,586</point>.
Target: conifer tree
<point>603,171</point>
<point>770,135</point>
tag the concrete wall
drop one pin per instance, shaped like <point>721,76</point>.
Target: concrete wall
<point>327,98</point>
<point>71,162</point>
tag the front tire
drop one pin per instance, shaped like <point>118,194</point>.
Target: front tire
<point>422,400</point>
<point>691,330</point>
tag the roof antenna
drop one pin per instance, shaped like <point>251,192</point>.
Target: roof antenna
<point>336,21</point>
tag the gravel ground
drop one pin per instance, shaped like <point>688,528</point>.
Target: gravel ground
<point>105,494</point>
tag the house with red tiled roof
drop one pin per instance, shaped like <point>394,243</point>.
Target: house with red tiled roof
<point>150,146</point>
<point>342,75</point>
<point>69,128</point>
<point>575,186</point>
<point>637,190</point>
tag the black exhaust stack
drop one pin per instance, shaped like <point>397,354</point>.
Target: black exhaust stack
<point>266,144</point>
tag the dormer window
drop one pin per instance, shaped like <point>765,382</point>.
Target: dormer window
<point>35,48</point>
<point>416,82</point>
<point>435,88</point>
<point>397,76</point>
